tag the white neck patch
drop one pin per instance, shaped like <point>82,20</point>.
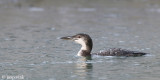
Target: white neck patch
<point>83,44</point>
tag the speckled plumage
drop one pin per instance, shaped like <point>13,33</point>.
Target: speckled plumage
<point>119,52</point>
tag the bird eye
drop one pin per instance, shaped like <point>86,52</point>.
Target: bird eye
<point>79,36</point>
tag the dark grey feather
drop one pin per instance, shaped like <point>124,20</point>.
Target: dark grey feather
<point>119,52</point>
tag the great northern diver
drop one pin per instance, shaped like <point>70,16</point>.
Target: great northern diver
<point>86,43</point>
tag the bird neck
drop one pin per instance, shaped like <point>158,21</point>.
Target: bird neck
<point>85,50</point>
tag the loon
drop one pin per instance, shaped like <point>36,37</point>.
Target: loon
<point>86,46</point>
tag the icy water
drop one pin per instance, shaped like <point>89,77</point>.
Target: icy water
<point>30,48</point>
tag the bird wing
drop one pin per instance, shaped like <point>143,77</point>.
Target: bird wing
<point>119,52</point>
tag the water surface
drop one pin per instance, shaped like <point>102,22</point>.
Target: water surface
<point>30,44</point>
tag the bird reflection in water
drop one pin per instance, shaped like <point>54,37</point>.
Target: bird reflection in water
<point>84,68</point>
